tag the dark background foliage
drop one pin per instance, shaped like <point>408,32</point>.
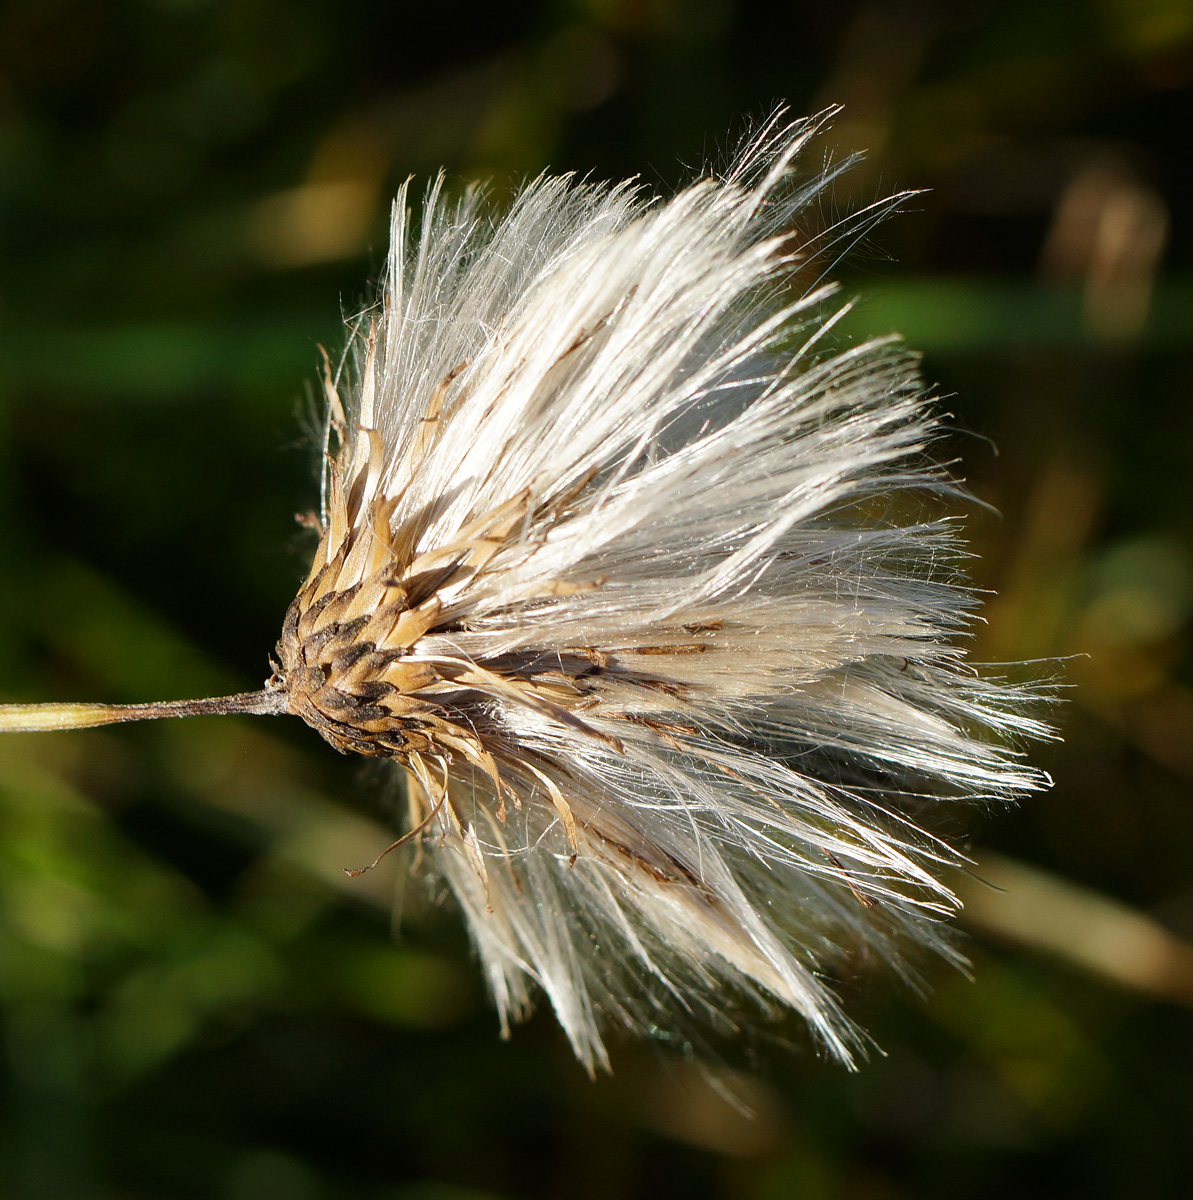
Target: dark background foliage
<point>196,1001</point>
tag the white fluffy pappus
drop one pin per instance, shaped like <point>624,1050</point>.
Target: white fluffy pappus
<point>615,561</point>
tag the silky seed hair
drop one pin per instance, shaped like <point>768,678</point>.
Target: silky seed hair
<point>623,561</point>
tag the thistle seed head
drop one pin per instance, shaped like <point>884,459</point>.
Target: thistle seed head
<point>633,571</point>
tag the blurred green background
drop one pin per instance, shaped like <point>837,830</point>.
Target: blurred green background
<point>197,1002</point>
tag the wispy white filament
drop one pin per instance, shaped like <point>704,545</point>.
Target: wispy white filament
<point>705,631</point>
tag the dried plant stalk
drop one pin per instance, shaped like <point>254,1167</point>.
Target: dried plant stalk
<point>611,562</point>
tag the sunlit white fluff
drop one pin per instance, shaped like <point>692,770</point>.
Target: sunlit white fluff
<point>632,564</point>
<point>729,632</point>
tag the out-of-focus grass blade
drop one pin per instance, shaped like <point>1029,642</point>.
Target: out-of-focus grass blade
<point>1041,911</point>
<point>957,315</point>
<point>160,359</point>
<point>157,359</point>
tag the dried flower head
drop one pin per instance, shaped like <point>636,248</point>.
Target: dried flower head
<point>613,562</point>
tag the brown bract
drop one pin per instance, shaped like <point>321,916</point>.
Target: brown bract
<point>343,661</point>
<point>347,660</point>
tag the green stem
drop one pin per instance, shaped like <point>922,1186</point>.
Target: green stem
<point>39,718</point>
